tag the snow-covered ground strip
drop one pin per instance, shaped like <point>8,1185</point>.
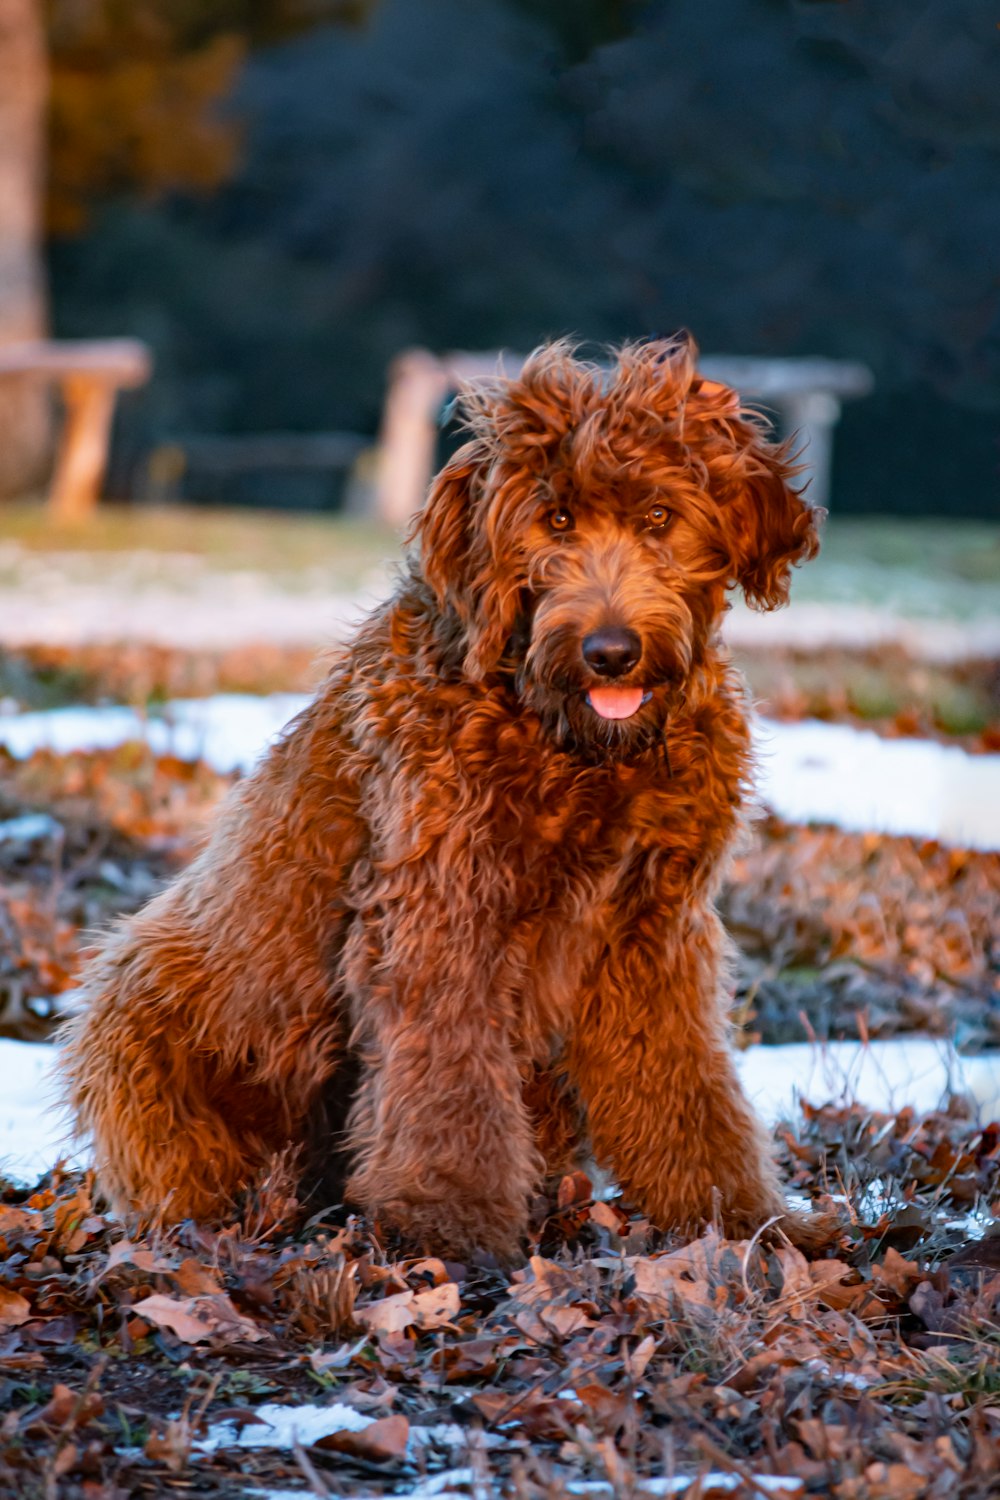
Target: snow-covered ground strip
<point>807,772</point>
<point>914,1071</point>
<point>679,1484</point>
<point>812,772</point>
<point>281,1427</point>
<point>284,1426</point>
<point>919,1072</point>
<point>33,1133</point>
<point>459,1484</point>
<point>450,1484</point>
<point>174,600</point>
<point>817,626</point>
<point>229,731</point>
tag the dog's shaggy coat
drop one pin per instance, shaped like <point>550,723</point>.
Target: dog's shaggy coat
<point>472,887</point>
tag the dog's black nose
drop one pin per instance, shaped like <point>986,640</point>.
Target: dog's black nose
<point>611,652</point>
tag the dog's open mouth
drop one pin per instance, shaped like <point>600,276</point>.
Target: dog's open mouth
<point>617,702</point>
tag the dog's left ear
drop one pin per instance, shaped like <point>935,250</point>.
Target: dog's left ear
<point>767,522</point>
<point>457,559</point>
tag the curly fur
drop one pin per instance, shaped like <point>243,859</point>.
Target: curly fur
<point>456,912</point>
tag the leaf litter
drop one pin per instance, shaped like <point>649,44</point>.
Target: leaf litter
<point>297,1347</point>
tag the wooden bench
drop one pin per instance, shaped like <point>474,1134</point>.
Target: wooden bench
<point>806,394</point>
<point>89,374</point>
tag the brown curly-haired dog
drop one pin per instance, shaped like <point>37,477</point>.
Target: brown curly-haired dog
<point>468,898</point>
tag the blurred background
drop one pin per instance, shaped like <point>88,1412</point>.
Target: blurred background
<point>278,196</point>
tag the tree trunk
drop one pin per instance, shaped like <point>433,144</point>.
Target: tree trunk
<point>25,413</point>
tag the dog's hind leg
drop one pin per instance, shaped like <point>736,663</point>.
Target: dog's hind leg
<point>212,1017</point>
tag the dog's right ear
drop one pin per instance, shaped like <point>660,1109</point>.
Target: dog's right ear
<point>458,562</point>
<point>443,529</point>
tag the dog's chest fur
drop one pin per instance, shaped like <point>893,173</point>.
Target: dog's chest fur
<point>547,858</point>
<point>593,859</point>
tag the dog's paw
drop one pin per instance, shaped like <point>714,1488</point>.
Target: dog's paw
<point>811,1232</point>
<point>450,1224</point>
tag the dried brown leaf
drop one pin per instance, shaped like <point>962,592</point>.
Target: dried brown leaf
<point>194,1319</point>
<point>382,1441</point>
<point>14,1309</point>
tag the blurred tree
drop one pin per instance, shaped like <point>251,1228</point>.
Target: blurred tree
<point>24,409</point>
<point>139,90</point>
<point>577,27</point>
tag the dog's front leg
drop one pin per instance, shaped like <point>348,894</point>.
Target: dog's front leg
<point>442,1138</point>
<point>652,1060</point>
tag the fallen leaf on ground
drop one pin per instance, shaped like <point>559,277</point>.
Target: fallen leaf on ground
<point>196,1318</point>
<point>14,1309</point>
<point>380,1441</point>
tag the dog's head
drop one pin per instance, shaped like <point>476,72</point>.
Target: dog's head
<point>584,539</point>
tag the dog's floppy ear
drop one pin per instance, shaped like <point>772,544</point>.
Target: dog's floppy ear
<point>457,559</point>
<point>767,523</point>
<point>443,526</point>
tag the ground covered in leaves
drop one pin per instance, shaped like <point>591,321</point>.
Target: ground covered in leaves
<point>153,1364</point>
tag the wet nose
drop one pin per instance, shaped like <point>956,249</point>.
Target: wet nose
<point>611,652</point>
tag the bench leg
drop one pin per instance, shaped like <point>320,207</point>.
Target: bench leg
<point>83,451</point>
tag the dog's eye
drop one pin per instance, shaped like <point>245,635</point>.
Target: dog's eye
<point>560,520</point>
<point>657,516</point>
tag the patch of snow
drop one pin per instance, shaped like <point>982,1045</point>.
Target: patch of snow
<point>440,1484</point>
<point>451,1435</point>
<point>807,772</point>
<point>974,1225</point>
<point>812,772</point>
<point>227,612</point>
<point>918,1072</point>
<point>270,1494</point>
<point>678,1484</point>
<point>29,828</point>
<point>229,731</point>
<point>283,1426</point>
<point>273,1494</point>
<point>849,1380</point>
<point>33,1132</point>
<point>183,601</point>
<point>454,1484</point>
<point>812,625</point>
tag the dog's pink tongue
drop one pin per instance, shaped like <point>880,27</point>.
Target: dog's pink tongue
<point>615,702</point>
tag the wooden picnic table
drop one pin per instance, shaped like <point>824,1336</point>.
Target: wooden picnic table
<point>89,373</point>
